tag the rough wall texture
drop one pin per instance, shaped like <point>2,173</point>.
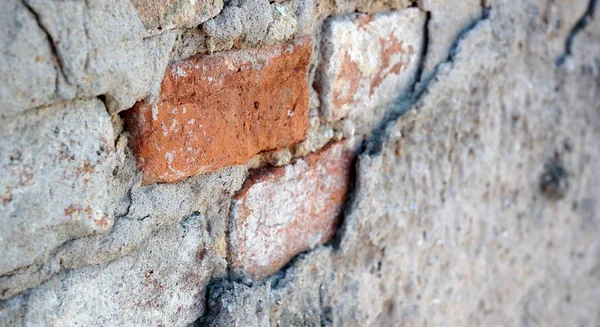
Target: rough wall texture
<point>300,163</point>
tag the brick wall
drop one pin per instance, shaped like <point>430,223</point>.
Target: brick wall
<point>299,162</point>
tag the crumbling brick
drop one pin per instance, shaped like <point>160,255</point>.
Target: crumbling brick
<point>220,110</point>
<point>369,60</point>
<point>283,211</point>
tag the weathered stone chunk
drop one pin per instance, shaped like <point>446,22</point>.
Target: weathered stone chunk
<point>157,15</point>
<point>283,211</point>
<point>247,23</point>
<point>220,110</point>
<point>62,50</point>
<point>55,168</point>
<point>28,75</point>
<point>160,284</point>
<point>369,60</point>
<point>381,5</point>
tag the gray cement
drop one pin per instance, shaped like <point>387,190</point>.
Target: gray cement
<point>475,197</point>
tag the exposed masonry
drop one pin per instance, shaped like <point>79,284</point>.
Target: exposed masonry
<point>298,162</point>
<point>281,212</point>
<point>243,101</point>
<point>370,146</point>
<point>420,85</point>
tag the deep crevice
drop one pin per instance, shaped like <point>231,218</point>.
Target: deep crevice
<point>451,56</point>
<point>228,237</point>
<point>102,97</point>
<point>580,25</point>
<point>401,106</point>
<point>423,54</point>
<point>349,200</point>
<point>129,200</point>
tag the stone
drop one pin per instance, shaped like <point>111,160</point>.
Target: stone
<point>584,49</point>
<point>285,23</point>
<point>160,15</point>
<point>161,283</point>
<point>280,212</point>
<point>242,21</point>
<point>56,166</point>
<point>461,173</point>
<point>81,49</point>
<point>143,210</point>
<point>371,6</point>
<point>219,110</point>
<point>368,61</point>
<point>140,211</point>
<point>248,23</point>
<point>341,7</point>
<point>559,19</point>
<point>276,299</point>
<point>190,42</point>
<point>29,73</point>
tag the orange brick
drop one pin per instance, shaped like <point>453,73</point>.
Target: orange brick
<point>280,212</point>
<point>220,110</point>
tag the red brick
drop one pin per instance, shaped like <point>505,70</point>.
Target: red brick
<point>280,212</point>
<point>220,110</point>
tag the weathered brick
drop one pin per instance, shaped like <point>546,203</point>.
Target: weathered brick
<point>369,60</point>
<point>280,212</point>
<point>220,110</point>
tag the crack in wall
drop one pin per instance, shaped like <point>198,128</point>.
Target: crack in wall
<point>375,143</point>
<point>53,49</point>
<point>578,27</point>
<point>423,54</point>
<point>419,89</point>
<point>129,200</point>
